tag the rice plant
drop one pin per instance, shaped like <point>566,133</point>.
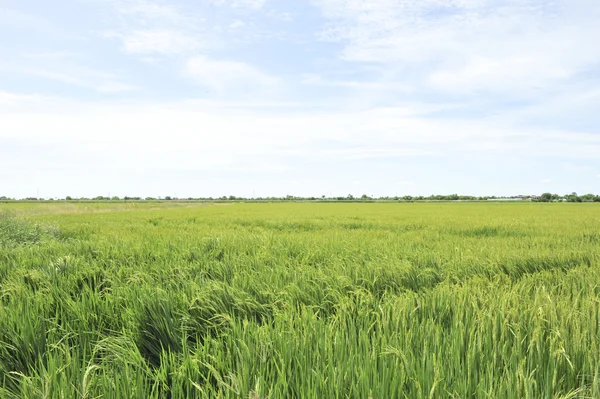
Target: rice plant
<point>298,300</point>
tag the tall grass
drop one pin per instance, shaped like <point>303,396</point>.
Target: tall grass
<point>300,301</point>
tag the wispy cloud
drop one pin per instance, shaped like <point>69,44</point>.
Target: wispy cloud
<point>151,27</point>
<point>8,99</point>
<point>225,77</point>
<point>367,152</point>
<point>318,80</point>
<point>468,46</point>
<point>576,167</point>
<point>84,77</point>
<point>159,41</point>
<point>250,4</point>
<point>236,24</point>
<point>145,11</point>
<point>48,55</point>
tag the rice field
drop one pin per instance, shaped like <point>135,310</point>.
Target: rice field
<point>299,300</point>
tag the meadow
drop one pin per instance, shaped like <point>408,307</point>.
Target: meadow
<point>300,300</point>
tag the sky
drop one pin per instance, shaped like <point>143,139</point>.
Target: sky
<point>198,98</point>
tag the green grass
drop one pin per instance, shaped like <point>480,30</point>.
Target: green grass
<point>440,300</point>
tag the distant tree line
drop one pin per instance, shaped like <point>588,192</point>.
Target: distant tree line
<point>573,197</point>
<point>545,197</point>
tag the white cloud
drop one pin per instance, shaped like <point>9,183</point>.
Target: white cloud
<point>508,74</point>
<point>131,146</point>
<point>50,55</point>
<point>468,45</point>
<point>229,77</point>
<point>250,4</point>
<point>317,80</point>
<point>14,99</point>
<point>575,167</point>
<point>99,81</point>
<point>219,132</point>
<point>237,24</point>
<point>151,27</point>
<point>161,41</point>
<point>146,10</point>
<point>366,152</point>
<point>284,16</point>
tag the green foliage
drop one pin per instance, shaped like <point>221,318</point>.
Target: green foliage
<point>546,197</point>
<point>14,231</point>
<point>300,300</point>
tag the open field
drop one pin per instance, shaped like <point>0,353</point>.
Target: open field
<point>294,300</point>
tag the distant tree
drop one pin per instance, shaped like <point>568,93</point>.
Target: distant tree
<point>115,198</point>
<point>573,197</point>
<point>546,197</point>
<point>68,198</point>
<point>588,197</point>
<point>365,197</point>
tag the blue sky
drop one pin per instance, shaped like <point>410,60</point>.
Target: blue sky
<point>317,97</point>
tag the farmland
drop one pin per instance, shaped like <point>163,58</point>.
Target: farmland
<point>298,300</point>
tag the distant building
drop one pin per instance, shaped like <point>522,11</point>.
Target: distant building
<point>514,198</point>
<point>509,199</point>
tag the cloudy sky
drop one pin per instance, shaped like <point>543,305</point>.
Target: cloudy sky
<point>301,97</point>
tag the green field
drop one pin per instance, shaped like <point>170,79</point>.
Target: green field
<point>298,300</point>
